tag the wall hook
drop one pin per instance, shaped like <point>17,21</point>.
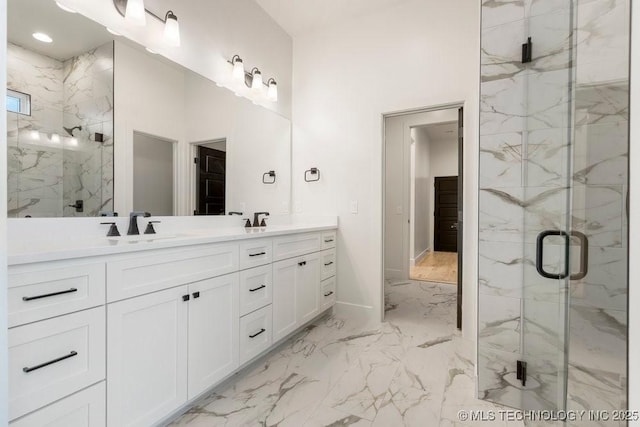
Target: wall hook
<point>266,177</point>
<point>310,173</point>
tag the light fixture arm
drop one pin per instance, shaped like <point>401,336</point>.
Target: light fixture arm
<point>121,7</point>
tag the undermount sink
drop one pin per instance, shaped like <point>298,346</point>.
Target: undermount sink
<point>143,238</point>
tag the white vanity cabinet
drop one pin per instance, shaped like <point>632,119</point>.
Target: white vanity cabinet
<point>128,339</point>
<point>167,347</point>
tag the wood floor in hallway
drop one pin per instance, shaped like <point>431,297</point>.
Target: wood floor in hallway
<point>441,267</point>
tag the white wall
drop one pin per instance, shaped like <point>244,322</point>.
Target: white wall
<point>211,33</point>
<point>634,218</point>
<point>410,55</point>
<point>153,175</point>
<point>423,211</point>
<point>444,162</point>
<point>3,224</point>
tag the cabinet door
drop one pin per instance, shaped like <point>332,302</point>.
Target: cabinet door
<point>308,288</point>
<point>284,297</point>
<point>146,357</point>
<point>214,322</point>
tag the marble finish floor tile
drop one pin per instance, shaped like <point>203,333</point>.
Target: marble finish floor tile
<point>415,369</point>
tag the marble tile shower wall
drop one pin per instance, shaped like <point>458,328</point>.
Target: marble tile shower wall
<point>46,173</point>
<point>529,179</point>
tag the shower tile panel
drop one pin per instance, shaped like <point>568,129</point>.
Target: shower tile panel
<point>500,269</point>
<point>599,104</point>
<point>598,213</point>
<point>546,158</point>
<point>501,54</point>
<point>543,327</point>
<point>502,153</point>
<point>601,153</point>
<point>499,12</point>
<point>499,322</point>
<point>501,214</point>
<point>605,287</point>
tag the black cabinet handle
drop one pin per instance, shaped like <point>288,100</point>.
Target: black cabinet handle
<point>328,241</point>
<point>51,362</point>
<point>68,291</point>
<point>329,294</point>
<point>258,254</point>
<point>186,297</point>
<point>326,264</point>
<point>301,263</point>
<point>257,333</point>
<point>196,295</point>
<point>258,288</point>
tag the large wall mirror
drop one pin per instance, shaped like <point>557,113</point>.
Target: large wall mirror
<point>98,124</point>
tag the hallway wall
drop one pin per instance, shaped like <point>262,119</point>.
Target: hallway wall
<point>345,78</point>
<point>423,206</point>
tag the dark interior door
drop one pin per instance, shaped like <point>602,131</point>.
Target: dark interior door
<point>446,214</point>
<point>212,166</point>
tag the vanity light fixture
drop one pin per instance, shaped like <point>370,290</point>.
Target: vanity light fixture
<point>42,37</point>
<point>272,92</point>
<point>135,13</point>
<point>65,8</point>
<point>253,80</point>
<point>35,135</point>
<point>55,138</point>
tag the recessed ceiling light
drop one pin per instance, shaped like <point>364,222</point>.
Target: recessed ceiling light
<point>42,37</point>
<point>113,32</point>
<point>65,8</point>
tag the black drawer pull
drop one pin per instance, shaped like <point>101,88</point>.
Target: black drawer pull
<point>51,362</point>
<point>258,288</point>
<point>301,263</point>
<point>328,240</point>
<point>257,333</point>
<point>329,294</point>
<point>68,291</point>
<point>326,264</point>
<point>196,295</point>
<point>258,254</point>
<point>186,297</point>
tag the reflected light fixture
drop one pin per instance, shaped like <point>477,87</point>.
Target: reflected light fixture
<point>238,68</point>
<point>42,37</point>
<point>65,8</point>
<point>115,33</point>
<point>171,30</point>
<point>272,91</point>
<point>135,13</point>
<point>55,138</point>
<point>35,135</point>
<point>256,81</point>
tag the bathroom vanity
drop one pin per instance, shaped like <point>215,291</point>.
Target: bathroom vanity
<point>128,331</point>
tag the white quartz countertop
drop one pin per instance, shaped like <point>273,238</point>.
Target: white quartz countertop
<point>30,251</point>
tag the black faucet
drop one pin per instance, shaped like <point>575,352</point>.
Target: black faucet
<point>133,222</point>
<point>256,219</point>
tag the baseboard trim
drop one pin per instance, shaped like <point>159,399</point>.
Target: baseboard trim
<point>421,256</point>
<point>393,274</point>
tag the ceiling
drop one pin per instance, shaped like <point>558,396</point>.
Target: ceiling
<point>72,33</point>
<point>442,131</point>
<point>298,16</point>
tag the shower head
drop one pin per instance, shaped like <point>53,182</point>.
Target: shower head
<point>70,130</point>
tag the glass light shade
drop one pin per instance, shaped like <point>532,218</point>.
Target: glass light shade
<point>172,30</point>
<point>272,93</point>
<point>238,70</point>
<point>135,14</point>
<point>55,138</point>
<point>256,84</point>
<point>35,135</point>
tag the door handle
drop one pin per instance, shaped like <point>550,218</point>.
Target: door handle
<point>454,226</point>
<point>584,254</point>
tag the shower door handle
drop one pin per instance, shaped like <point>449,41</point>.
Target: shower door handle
<point>540,254</point>
<point>584,254</point>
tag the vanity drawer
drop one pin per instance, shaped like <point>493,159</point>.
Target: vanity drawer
<point>132,275</point>
<point>328,266</point>
<point>328,297</point>
<point>36,294</point>
<point>255,333</point>
<point>256,288</point>
<point>329,239</point>
<point>295,245</point>
<point>86,408</point>
<point>254,253</point>
<point>54,358</point>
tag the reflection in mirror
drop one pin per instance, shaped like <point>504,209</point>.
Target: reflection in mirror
<point>60,135</point>
<point>85,108</point>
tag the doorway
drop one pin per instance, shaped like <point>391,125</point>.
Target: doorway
<point>153,174</point>
<point>210,177</point>
<point>423,193</point>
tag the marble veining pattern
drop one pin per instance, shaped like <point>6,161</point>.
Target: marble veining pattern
<point>413,370</point>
